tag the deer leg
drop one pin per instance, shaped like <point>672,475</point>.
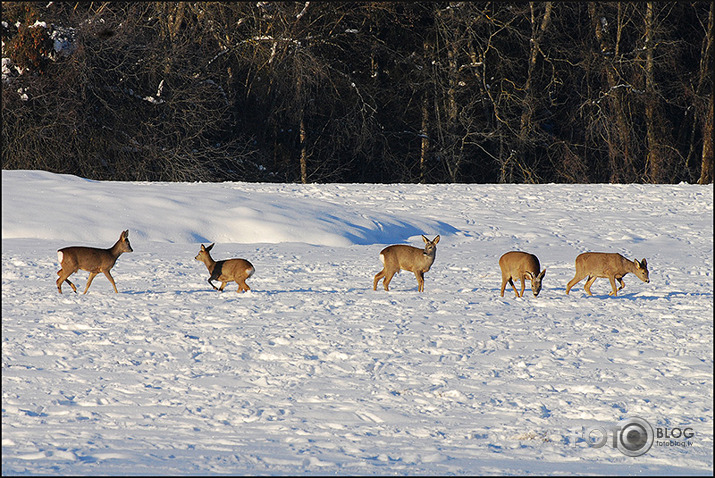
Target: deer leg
<point>387,279</point>
<point>620,280</point>
<point>503,285</point>
<point>587,285</point>
<point>420,281</point>
<point>223,284</point>
<point>614,291</point>
<point>378,276</point>
<point>244,286</point>
<point>72,285</point>
<point>111,279</point>
<point>92,275</point>
<point>523,286</point>
<point>511,282</point>
<point>212,284</point>
<point>60,280</point>
<point>64,278</point>
<point>576,279</point>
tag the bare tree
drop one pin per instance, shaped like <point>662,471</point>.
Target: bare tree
<point>706,68</point>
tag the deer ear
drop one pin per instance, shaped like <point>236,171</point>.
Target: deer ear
<point>211,246</point>
<point>638,264</point>
<point>542,274</point>
<point>644,263</point>
<point>125,234</point>
<point>425,239</point>
<point>436,239</point>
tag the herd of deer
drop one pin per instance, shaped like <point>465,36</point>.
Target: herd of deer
<point>514,265</point>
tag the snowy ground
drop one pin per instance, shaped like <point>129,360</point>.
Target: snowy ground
<point>313,372</point>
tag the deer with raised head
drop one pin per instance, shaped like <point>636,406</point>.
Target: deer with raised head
<point>91,259</point>
<point>228,270</point>
<point>402,257</point>
<point>609,265</point>
<point>521,265</point>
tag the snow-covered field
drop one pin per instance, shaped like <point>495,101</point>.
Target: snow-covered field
<point>313,372</point>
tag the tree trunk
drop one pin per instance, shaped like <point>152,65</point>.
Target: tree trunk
<point>620,162</point>
<point>536,35</point>
<point>303,160</point>
<point>303,151</point>
<point>425,138</point>
<point>453,156</point>
<point>706,170</point>
<point>654,160</point>
<point>526,125</point>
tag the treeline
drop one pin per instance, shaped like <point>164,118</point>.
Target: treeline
<point>497,92</point>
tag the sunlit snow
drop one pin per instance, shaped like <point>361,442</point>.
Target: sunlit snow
<point>312,372</point>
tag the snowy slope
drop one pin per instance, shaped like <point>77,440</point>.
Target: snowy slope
<point>313,372</point>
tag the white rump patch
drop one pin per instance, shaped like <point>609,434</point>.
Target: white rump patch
<point>250,271</point>
<point>382,259</point>
<point>60,255</point>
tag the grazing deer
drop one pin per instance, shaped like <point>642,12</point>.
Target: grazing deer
<point>91,259</point>
<point>401,257</point>
<point>229,270</point>
<point>610,265</point>
<point>521,265</point>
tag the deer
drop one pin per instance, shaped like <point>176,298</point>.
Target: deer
<point>228,270</point>
<point>91,259</point>
<point>521,265</point>
<point>610,265</point>
<point>403,257</point>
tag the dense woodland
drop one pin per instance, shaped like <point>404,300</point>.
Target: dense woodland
<point>377,92</point>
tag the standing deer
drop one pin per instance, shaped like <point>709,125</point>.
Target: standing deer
<point>401,257</point>
<point>610,265</point>
<point>229,270</point>
<point>91,259</point>
<point>521,265</point>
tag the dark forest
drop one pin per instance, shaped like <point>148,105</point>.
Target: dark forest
<point>369,92</point>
